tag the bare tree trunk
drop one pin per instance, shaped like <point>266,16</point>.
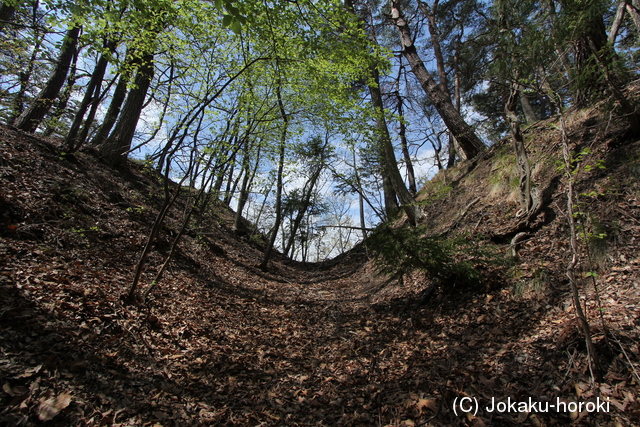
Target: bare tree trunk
<point>634,10</point>
<point>25,76</point>
<point>388,189</point>
<point>615,26</point>
<point>469,142</point>
<point>73,141</point>
<point>279,183</point>
<point>594,360</point>
<point>228,191</point>
<point>244,188</point>
<point>521,151</point>
<point>60,109</point>
<point>117,99</point>
<point>361,199</point>
<point>31,118</point>
<point>169,200</point>
<point>390,165</point>
<point>114,150</point>
<point>306,202</point>
<point>525,103</point>
<point>435,41</point>
<point>189,210</point>
<point>411,175</point>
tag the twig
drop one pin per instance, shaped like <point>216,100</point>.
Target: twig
<point>628,360</point>
<point>594,363</point>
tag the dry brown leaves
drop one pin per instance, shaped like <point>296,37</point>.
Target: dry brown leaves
<point>221,343</point>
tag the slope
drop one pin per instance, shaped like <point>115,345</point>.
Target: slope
<point>219,342</point>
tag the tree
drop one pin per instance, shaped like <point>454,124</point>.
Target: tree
<point>411,175</point>
<point>31,118</point>
<point>586,32</point>
<point>393,184</point>
<point>115,148</point>
<point>313,156</point>
<point>390,165</point>
<point>279,179</point>
<point>76,138</point>
<point>470,144</point>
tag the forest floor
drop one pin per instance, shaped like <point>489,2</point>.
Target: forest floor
<point>219,342</point>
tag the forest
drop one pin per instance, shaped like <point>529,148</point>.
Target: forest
<point>301,212</point>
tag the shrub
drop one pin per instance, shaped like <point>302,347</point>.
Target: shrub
<point>404,249</point>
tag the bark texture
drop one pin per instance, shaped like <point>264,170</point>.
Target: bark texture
<point>31,118</point>
<point>390,165</point>
<point>114,150</point>
<point>522,159</point>
<point>75,138</point>
<point>470,144</point>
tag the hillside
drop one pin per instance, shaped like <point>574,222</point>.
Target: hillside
<point>219,342</point>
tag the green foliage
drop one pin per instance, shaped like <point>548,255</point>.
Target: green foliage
<point>436,190</point>
<point>136,209</point>
<point>82,231</point>
<point>400,250</point>
<point>583,161</point>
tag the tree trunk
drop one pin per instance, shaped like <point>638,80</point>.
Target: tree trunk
<point>615,26</point>
<point>587,76</point>
<point>361,200</point>
<point>244,188</point>
<point>228,193</point>
<point>634,10</point>
<point>435,41</point>
<point>390,165</point>
<point>169,200</point>
<point>31,118</point>
<point>390,196</point>
<point>521,151</point>
<point>54,123</point>
<point>117,99</point>
<point>74,141</point>
<point>115,149</point>
<point>595,365</point>
<point>25,78</point>
<point>469,142</point>
<point>279,183</point>
<point>527,109</point>
<point>411,175</point>
<point>306,202</point>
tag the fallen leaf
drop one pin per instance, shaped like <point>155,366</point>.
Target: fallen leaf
<point>7,389</point>
<point>428,404</point>
<point>51,407</point>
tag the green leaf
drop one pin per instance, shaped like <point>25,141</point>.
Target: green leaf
<point>236,26</point>
<point>227,20</point>
<point>232,9</point>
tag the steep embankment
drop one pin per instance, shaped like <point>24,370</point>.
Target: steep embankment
<point>221,343</point>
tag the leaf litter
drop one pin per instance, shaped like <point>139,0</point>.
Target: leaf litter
<point>219,342</point>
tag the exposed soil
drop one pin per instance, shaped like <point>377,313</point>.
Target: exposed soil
<point>219,342</point>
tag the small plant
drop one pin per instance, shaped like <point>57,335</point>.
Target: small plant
<point>578,159</point>
<point>136,209</point>
<point>399,250</point>
<point>81,231</point>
